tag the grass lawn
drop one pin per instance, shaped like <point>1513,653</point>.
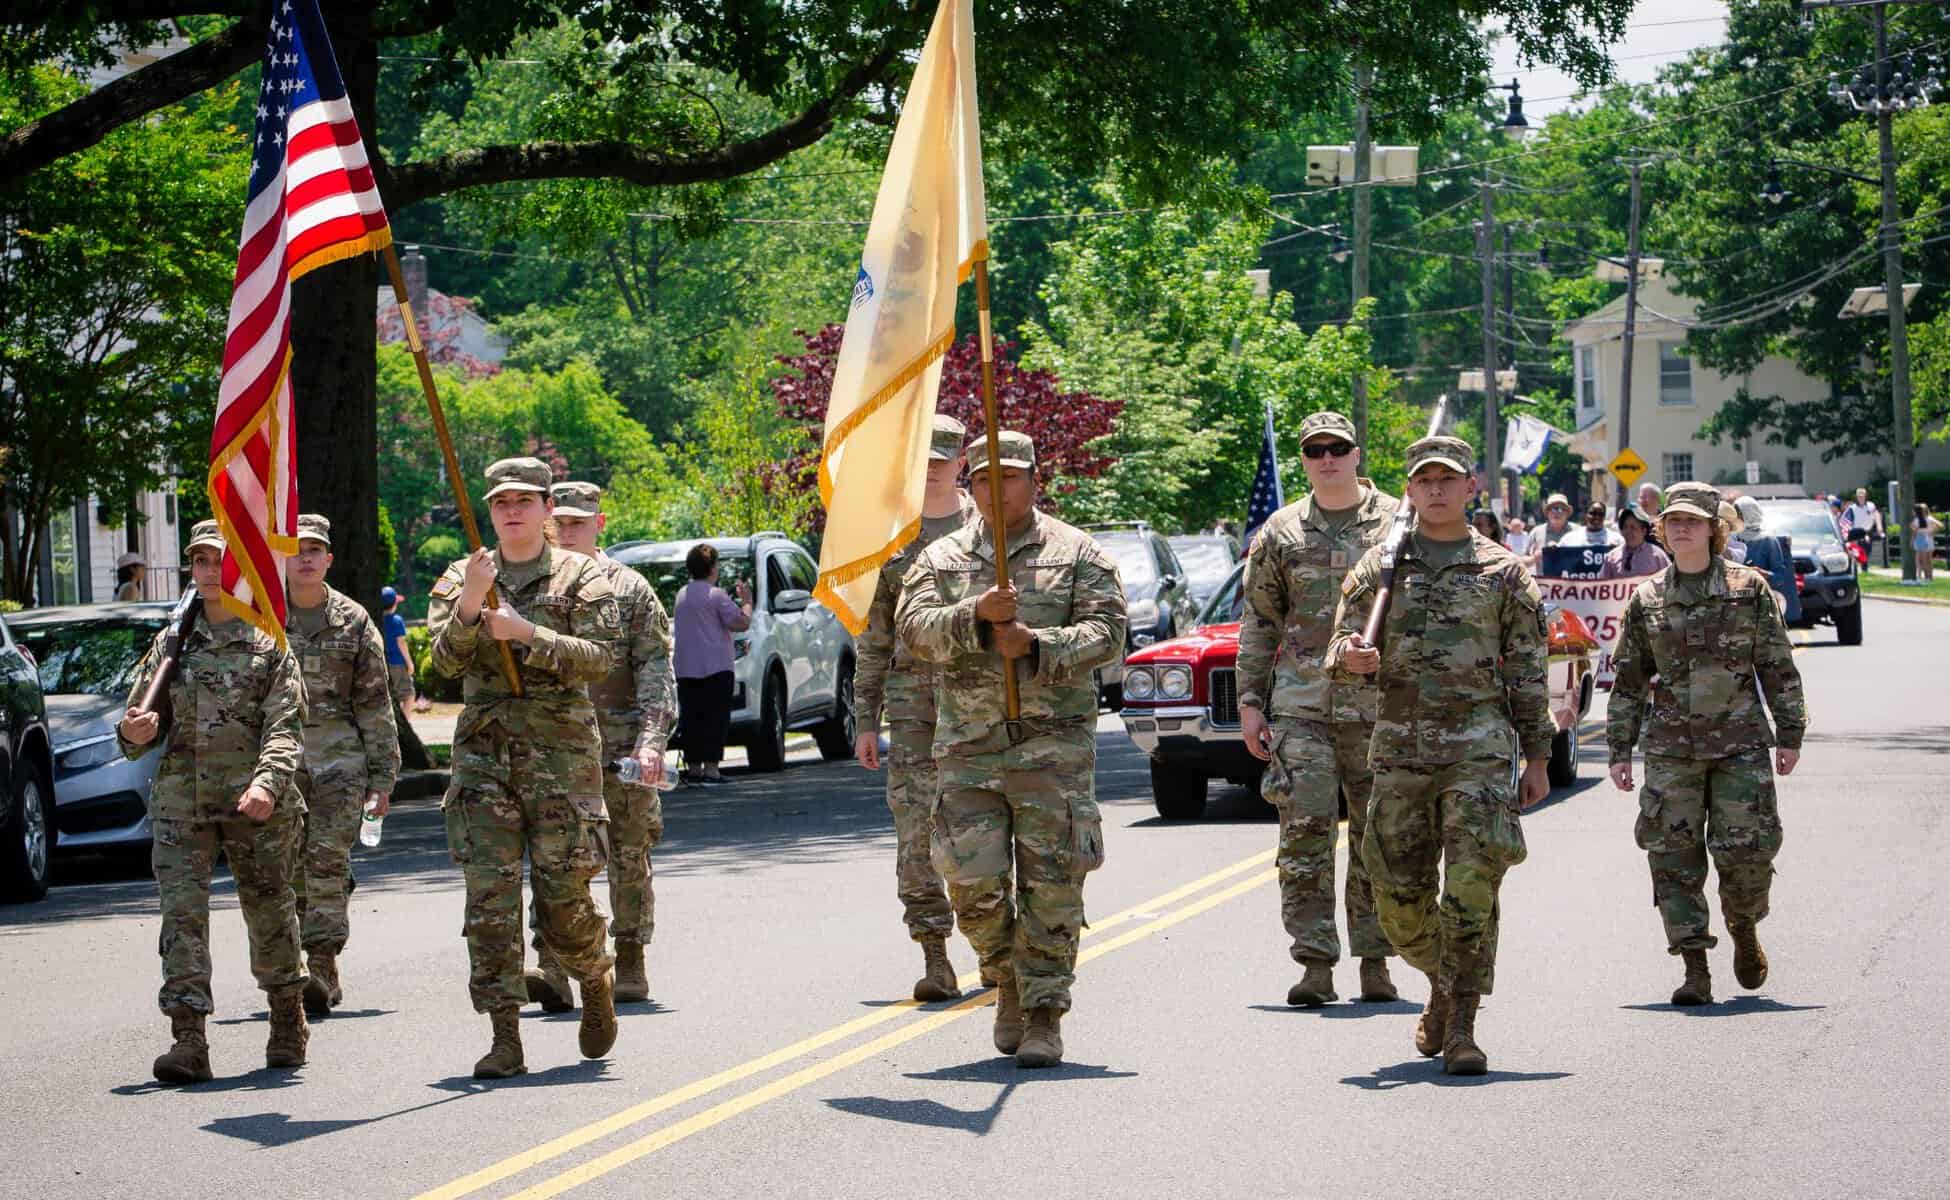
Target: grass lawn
<point>1936,592</point>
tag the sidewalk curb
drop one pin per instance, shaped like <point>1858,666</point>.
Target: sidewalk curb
<point>1906,600</point>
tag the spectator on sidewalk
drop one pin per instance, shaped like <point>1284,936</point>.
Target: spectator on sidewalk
<point>1650,499</point>
<point>399,659</point>
<point>129,570</point>
<point>1593,531</point>
<point>1639,555</point>
<point>1923,528</point>
<point>1766,554</point>
<point>704,619</point>
<point>1557,525</point>
<point>1516,537</point>
<point>1862,521</point>
<point>1484,522</point>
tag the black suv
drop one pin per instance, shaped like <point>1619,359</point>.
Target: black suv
<point>1823,570</point>
<point>27,771</point>
<point>1157,596</point>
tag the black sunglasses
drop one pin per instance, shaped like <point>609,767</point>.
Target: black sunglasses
<point>1323,449</point>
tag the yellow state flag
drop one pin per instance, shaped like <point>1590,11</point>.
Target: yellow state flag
<point>930,225</point>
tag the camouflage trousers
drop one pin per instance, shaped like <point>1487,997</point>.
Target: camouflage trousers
<point>260,857</point>
<point>1015,832</point>
<point>913,782</point>
<point>1692,807</point>
<point>1439,841</point>
<point>1314,764</point>
<point>323,859</point>
<point>636,825</point>
<point>510,797</point>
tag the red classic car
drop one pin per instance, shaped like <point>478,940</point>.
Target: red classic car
<point>1181,704</point>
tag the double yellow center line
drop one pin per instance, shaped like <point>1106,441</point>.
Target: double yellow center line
<point>1144,919</point>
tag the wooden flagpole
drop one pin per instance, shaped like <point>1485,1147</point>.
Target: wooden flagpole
<point>454,478</point>
<point>1011,693</point>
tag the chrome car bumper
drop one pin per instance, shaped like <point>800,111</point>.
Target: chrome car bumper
<point>1152,728</point>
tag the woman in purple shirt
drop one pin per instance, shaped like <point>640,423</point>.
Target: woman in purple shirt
<point>705,619</point>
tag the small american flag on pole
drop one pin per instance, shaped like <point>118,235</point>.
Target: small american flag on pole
<point>312,201</point>
<point>1268,496</point>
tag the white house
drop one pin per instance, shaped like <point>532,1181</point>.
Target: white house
<point>79,547</point>
<point>453,331</point>
<point>1672,396</point>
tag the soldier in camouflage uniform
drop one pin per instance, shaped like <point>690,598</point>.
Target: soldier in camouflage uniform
<point>1017,793</point>
<point>1701,644</point>
<point>528,775</point>
<point>351,749</point>
<point>1461,668</point>
<point>1311,725</point>
<point>636,705</point>
<point>234,743</point>
<point>888,676</point>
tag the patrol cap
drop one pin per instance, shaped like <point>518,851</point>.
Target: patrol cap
<point>949,438</point>
<point>577,500</point>
<point>518,475</point>
<point>205,533</point>
<point>130,559</point>
<point>315,526</point>
<point>1558,498</point>
<point>1451,452</point>
<point>1695,499</point>
<point>1326,424</point>
<point>1016,450</point>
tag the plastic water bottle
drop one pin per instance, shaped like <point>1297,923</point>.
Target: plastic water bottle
<point>369,825</point>
<point>629,770</point>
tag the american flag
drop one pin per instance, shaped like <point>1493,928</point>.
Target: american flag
<point>311,202</point>
<point>1268,497</point>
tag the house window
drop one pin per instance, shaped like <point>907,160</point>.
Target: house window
<point>1795,471</point>
<point>1587,381</point>
<point>1675,375</point>
<point>1678,467</point>
<point>64,559</point>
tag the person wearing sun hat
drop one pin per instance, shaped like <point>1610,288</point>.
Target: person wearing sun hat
<point>1700,647</point>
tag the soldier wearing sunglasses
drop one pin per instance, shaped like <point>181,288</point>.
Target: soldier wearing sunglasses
<point>1309,724</point>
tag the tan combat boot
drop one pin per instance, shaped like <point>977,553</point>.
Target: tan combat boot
<point>632,981</point>
<point>598,1032</point>
<point>1376,986</point>
<point>1008,1015</point>
<point>1460,1053</point>
<point>938,981</point>
<point>188,1061</point>
<point>289,1033</point>
<point>1042,1039</point>
<point>549,987</point>
<point>1432,1027</point>
<point>1315,988</point>
<point>322,992</point>
<point>503,1059</point>
<point>1749,960</point>
<point>1698,988</point>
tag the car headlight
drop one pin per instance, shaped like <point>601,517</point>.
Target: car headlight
<point>1835,562</point>
<point>1139,683</point>
<point>1175,683</point>
<point>89,752</point>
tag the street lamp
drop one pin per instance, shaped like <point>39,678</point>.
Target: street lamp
<point>1514,125</point>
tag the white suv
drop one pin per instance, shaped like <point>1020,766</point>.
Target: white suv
<point>793,669</point>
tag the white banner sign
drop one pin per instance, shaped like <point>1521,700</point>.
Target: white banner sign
<point>1600,603</point>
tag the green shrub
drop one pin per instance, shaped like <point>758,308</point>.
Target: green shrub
<point>432,684</point>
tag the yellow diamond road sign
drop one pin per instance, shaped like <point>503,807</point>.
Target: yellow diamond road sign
<point>1627,467</point>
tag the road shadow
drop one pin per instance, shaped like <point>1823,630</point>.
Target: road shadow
<point>1923,739</point>
<point>1231,804</point>
<point>1429,1071</point>
<point>1737,1007</point>
<point>1344,1010</point>
<point>264,1079</point>
<point>627,1010</point>
<point>338,1014</point>
<point>1569,791</point>
<point>1000,1070</point>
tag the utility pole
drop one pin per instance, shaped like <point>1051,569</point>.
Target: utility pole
<point>1631,328</point>
<point>1491,433</point>
<point>1363,224</point>
<point>1892,283</point>
<point>1512,487</point>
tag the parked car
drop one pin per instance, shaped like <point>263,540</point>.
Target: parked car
<point>1181,704</point>
<point>1157,598</point>
<point>1207,558</point>
<point>87,657</point>
<point>793,669</point>
<point>1823,570</point>
<point>27,832</point>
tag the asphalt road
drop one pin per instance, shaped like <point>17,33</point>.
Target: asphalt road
<point>778,1058</point>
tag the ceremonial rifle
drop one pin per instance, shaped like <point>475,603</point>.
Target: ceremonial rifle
<point>1391,547</point>
<point>155,698</point>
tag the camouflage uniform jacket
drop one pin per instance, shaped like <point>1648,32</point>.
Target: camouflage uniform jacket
<point>237,718</point>
<point>636,703</point>
<point>881,654</point>
<point>350,729</point>
<point>1705,657</point>
<point>570,600</point>
<point>1293,580</point>
<point>1069,594</point>
<point>1463,654</point>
